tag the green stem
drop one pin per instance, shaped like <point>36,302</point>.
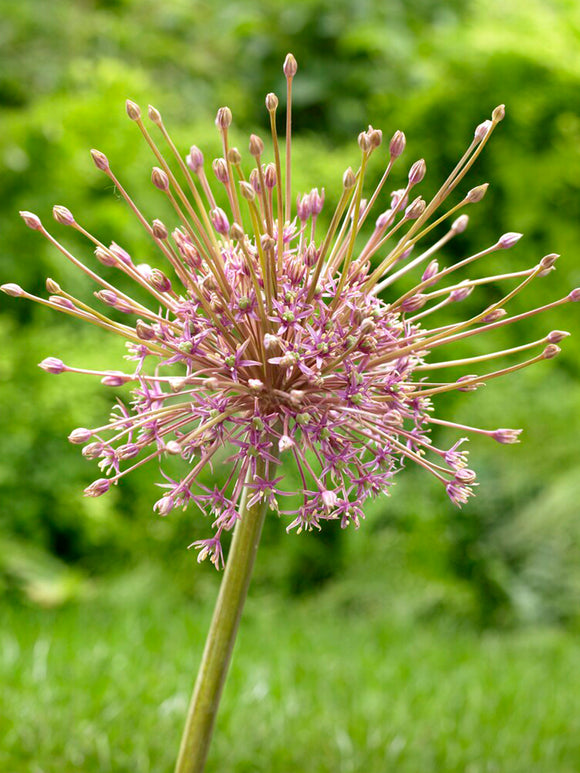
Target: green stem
<point>220,641</point>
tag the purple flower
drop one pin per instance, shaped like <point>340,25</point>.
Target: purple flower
<point>268,334</point>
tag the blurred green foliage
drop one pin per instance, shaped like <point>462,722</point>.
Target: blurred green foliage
<point>434,70</point>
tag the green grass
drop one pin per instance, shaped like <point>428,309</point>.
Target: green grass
<point>316,686</point>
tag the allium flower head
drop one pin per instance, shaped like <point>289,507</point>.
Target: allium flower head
<point>273,336</point>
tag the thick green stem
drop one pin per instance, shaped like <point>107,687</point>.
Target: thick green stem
<point>220,641</point>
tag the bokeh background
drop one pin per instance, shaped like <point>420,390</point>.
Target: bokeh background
<point>432,639</point>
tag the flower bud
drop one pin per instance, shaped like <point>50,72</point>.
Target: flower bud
<point>115,379</point>
<point>459,225</point>
<point>144,331</point>
<point>508,240</point>
<point>80,436</point>
<point>461,293</point>
<point>431,271</point>
<point>223,118</point>
<point>52,286</point>
<point>164,505</point>
<point>316,201</point>
<point>574,295</point>
<point>417,171</point>
<point>256,146</point>
<point>494,315</point>
<point>414,303</point>
<point>285,443</point>
<point>481,130</point>
<point>415,209</point>
<point>93,450</point>
<point>270,176</point>
<point>477,194</point>
<point>364,142</point>
<point>159,230</point>
<point>159,281</point>
<point>247,191</point>
<point>397,144</point>
<point>348,179</point>
<point>220,221</point>
<point>468,387</point>
<point>52,365</point>
<point>255,180</point>
<point>310,255</point>
<point>220,169</point>
<point>172,447</point>
<point>375,136</point>
<point>290,66</point>
<point>547,263</point>
<point>160,179</point>
<point>101,161</point>
<point>555,336</point>
<point>234,156</point>
<point>498,114</point>
<point>154,115</point>
<point>98,488</point>
<point>12,289</point>
<point>194,159</point>
<point>551,351</point>
<point>31,220</point>
<point>255,384</point>
<point>133,110</point>
<point>105,257</point>
<point>271,102</point>
<point>63,215</point>
<point>128,451</point>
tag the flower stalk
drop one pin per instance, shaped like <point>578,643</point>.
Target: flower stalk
<point>219,645</point>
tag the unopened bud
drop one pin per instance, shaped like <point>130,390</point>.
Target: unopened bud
<point>494,315</point>
<point>285,443</point>
<point>237,232</point>
<point>270,176</point>
<point>477,194</point>
<point>290,66</point>
<point>220,221</point>
<point>310,255</point>
<point>172,447</point>
<point>397,144</point>
<point>459,225</point>
<point>574,295</point>
<point>93,450</point>
<point>101,161</point>
<point>364,142</point>
<point>431,271</point>
<point>98,488</point>
<point>105,257</point>
<point>80,436</point>
<point>52,286</point>
<point>223,118</point>
<point>414,303</point>
<point>194,159</point>
<point>159,230</point>
<point>247,191</point>
<point>115,379</point>
<point>415,209</point>
<point>12,289</point>
<point>63,215</point>
<point>160,179</point>
<point>256,146</point>
<point>31,220</point>
<point>498,114</point>
<point>461,293</point>
<point>482,130</point>
<point>375,136</point>
<point>417,171</point>
<point>234,156</point>
<point>547,263</point>
<point>144,331</point>
<point>469,387</point>
<point>551,351</point>
<point>255,180</point>
<point>271,101</point>
<point>508,240</point>
<point>52,365</point>
<point>348,179</point>
<point>133,110</point>
<point>220,169</point>
<point>154,115</point>
<point>255,384</point>
<point>159,281</point>
<point>555,336</point>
